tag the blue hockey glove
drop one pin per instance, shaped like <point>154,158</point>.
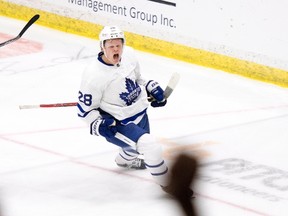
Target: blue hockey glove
<point>154,89</point>
<point>104,127</point>
<point>157,93</point>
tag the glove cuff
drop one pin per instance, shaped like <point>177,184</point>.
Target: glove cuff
<point>151,85</point>
<point>94,126</point>
<point>154,89</point>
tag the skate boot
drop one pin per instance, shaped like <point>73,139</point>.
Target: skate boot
<point>137,164</point>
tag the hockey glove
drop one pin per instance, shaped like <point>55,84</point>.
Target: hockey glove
<point>104,127</point>
<point>154,89</point>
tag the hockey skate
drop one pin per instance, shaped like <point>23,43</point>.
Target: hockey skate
<point>137,164</point>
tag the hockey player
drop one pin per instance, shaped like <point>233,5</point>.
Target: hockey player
<point>113,101</point>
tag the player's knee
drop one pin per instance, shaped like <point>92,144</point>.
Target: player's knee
<point>148,146</point>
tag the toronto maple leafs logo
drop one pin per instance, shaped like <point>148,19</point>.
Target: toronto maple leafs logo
<point>133,91</point>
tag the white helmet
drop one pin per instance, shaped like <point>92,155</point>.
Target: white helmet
<point>110,32</point>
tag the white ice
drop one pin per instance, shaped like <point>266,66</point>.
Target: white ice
<point>51,166</point>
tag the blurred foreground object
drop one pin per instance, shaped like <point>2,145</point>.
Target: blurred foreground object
<point>183,172</point>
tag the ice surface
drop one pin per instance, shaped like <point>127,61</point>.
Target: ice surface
<point>50,165</point>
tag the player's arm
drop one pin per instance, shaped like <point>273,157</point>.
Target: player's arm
<point>89,99</point>
<point>87,106</point>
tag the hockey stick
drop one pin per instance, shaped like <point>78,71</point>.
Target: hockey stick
<point>171,84</point>
<point>167,92</point>
<point>31,21</point>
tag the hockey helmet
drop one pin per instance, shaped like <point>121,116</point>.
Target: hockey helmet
<point>110,32</point>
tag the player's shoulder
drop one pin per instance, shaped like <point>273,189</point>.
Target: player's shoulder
<point>95,70</point>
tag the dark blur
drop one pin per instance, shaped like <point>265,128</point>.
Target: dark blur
<point>183,172</point>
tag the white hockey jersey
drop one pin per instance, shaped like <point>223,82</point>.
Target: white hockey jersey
<point>117,90</point>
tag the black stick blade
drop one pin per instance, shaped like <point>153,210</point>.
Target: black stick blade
<point>31,21</point>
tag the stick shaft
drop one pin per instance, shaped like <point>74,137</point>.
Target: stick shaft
<point>48,105</point>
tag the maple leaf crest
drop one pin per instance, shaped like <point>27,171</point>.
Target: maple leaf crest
<point>133,91</point>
